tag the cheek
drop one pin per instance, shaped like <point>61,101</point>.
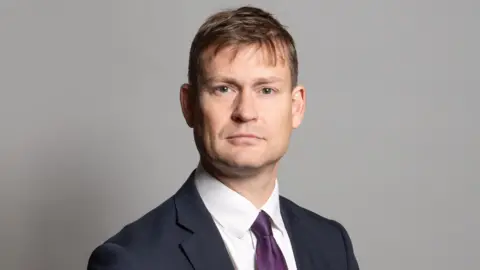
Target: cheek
<point>279,123</point>
<point>213,123</point>
<point>280,113</point>
<point>285,118</point>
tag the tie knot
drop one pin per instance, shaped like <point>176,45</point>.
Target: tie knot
<point>262,226</point>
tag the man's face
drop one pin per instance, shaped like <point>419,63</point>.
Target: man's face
<point>246,109</point>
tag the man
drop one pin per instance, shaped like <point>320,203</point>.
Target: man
<point>242,101</point>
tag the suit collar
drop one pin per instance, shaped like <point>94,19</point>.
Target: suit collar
<point>231,210</point>
<point>204,247</point>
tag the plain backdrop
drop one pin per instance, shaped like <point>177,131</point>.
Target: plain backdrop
<point>92,136</point>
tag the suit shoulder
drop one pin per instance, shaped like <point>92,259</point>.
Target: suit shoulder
<point>154,222</point>
<point>312,218</point>
<point>134,241</point>
<point>323,230</point>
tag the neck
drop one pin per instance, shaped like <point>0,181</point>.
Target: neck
<point>257,187</point>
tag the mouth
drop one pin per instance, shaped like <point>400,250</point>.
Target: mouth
<point>244,136</point>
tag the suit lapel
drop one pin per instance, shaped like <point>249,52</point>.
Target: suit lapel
<point>204,247</point>
<point>306,253</point>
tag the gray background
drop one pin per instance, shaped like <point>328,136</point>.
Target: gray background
<point>92,135</point>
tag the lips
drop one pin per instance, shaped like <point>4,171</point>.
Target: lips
<point>243,135</point>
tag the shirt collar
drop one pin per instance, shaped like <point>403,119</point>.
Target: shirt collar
<point>230,209</point>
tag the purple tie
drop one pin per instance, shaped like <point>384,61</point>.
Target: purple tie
<point>268,255</point>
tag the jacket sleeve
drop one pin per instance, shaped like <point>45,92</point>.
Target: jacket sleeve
<point>351,260</point>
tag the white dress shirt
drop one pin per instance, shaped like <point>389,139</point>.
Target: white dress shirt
<point>234,215</point>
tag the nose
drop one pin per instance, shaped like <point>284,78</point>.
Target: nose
<point>245,107</point>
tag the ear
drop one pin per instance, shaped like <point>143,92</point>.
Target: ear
<point>186,101</point>
<point>298,105</point>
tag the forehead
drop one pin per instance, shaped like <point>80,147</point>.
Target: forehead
<point>246,60</point>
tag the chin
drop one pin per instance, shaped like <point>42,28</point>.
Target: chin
<point>247,163</point>
<point>237,169</point>
<point>240,166</point>
<point>243,163</point>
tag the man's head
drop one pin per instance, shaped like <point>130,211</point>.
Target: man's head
<point>242,99</point>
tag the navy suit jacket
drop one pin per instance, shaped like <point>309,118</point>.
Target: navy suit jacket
<point>180,234</point>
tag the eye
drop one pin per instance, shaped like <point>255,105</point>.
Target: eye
<point>267,90</point>
<point>222,89</point>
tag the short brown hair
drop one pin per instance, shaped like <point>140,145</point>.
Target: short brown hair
<point>239,27</point>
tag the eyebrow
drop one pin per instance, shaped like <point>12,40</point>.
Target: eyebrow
<point>233,81</point>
